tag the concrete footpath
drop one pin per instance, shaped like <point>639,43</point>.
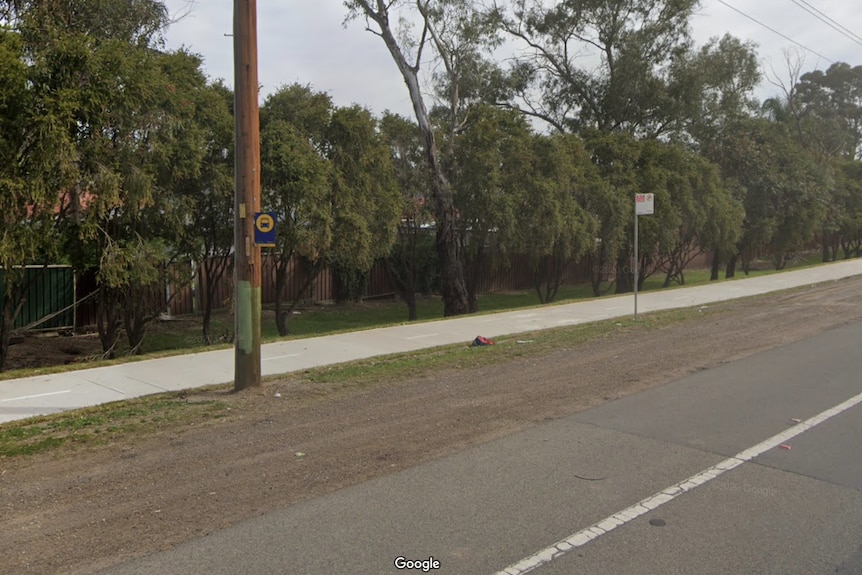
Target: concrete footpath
<point>45,394</point>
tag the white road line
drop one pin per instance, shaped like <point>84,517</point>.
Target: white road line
<point>23,397</point>
<point>422,336</point>
<point>281,357</point>
<point>596,530</point>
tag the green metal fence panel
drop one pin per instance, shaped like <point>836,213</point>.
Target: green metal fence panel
<point>50,291</point>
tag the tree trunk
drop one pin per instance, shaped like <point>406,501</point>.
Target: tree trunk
<point>674,270</point>
<point>214,268</point>
<point>5,329</point>
<point>473,267</point>
<point>625,275</point>
<point>207,317</point>
<point>402,276</point>
<point>8,315</point>
<point>716,265</point>
<point>135,322</point>
<point>410,300</point>
<point>108,320</point>
<point>453,288</point>
<point>668,277</point>
<point>537,284</point>
<point>597,274</point>
<point>780,261</point>
<point>472,298</point>
<point>642,275</point>
<point>281,320</point>
<point>312,270</point>
<point>280,287</point>
<point>730,269</point>
<point>745,261</point>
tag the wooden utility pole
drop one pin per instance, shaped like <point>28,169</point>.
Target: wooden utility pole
<point>246,197</point>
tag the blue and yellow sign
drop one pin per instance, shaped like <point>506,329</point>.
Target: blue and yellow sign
<point>264,229</point>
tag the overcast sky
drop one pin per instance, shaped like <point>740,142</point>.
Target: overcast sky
<point>304,41</point>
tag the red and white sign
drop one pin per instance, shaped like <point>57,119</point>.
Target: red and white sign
<point>644,204</point>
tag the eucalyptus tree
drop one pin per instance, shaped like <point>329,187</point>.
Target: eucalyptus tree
<point>29,202</point>
<point>136,22</point>
<point>848,188</point>
<point>780,186</point>
<point>660,169</point>
<point>696,211</point>
<point>209,192</point>
<point>327,174</point>
<point>294,184</point>
<point>465,81</point>
<point>714,86</point>
<point>114,110</point>
<point>490,173</point>
<point>158,133</point>
<point>364,198</point>
<point>609,201</point>
<point>601,64</point>
<point>445,29</point>
<point>656,173</point>
<point>823,109</point>
<point>617,72</point>
<point>554,229</point>
<point>412,262</point>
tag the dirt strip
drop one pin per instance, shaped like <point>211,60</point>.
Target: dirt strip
<point>75,511</point>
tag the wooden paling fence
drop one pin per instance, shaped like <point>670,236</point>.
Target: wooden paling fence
<point>187,297</point>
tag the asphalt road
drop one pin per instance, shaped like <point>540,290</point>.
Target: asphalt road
<point>751,467</point>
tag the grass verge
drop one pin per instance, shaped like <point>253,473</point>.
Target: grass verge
<point>133,419</point>
<point>107,423</point>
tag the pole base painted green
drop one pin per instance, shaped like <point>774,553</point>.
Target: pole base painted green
<point>247,322</point>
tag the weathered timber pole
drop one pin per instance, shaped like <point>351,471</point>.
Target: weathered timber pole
<point>246,197</point>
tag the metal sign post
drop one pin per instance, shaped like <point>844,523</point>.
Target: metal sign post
<point>643,207</point>
<point>635,263</point>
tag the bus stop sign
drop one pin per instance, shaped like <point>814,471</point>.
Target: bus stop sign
<point>264,229</point>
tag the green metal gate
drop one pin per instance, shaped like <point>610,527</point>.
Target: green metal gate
<point>49,299</point>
